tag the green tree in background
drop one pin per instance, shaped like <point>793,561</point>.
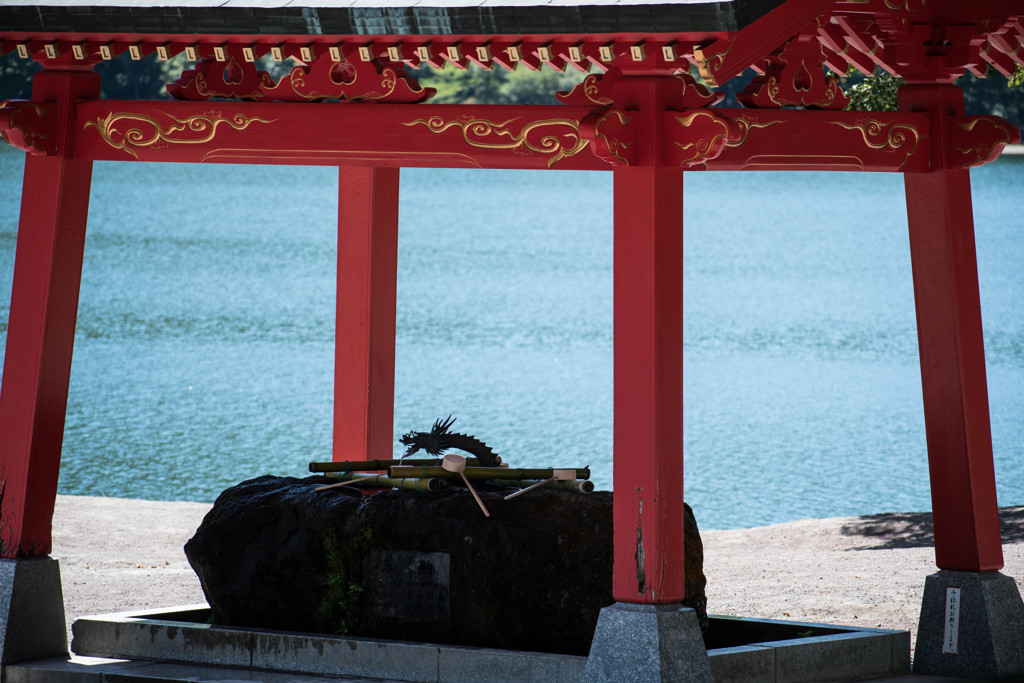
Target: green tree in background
<point>122,77</point>
<point>16,77</point>
<point>1017,79</point>
<point>992,94</point>
<point>143,79</point>
<point>877,93</point>
<point>475,85</point>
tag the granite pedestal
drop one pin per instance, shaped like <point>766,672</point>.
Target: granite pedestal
<point>646,643</point>
<point>32,622</point>
<point>972,625</point>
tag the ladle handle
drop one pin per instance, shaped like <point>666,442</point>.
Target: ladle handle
<point>528,488</point>
<point>347,481</point>
<point>475,497</point>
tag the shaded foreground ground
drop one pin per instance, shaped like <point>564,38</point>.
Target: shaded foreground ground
<point>118,555</point>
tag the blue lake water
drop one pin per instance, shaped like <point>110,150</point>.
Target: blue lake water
<point>204,352</point>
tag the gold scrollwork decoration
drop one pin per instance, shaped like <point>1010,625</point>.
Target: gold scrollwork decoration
<point>484,134</point>
<point>147,132</point>
<point>618,148</point>
<point>703,135</point>
<point>28,126</point>
<point>905,5</point>
<point>709,64</point>
<point>981,140</point>
<point>745,125</point>
<point>888,136</point>
<point>593,92</point>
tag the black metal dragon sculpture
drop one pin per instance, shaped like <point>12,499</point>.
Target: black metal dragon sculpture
<point>439,439</point>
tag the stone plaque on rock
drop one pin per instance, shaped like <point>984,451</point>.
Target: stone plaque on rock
<point>406,584</point>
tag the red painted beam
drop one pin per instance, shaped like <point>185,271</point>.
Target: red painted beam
<point>952,350</point>
<point>41,328</point>
<point>797,140</point>
<point>364,342</point>
<point>530,137</point>
<point>351,134</point>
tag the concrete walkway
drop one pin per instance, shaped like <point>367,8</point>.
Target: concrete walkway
<point>96,670</point>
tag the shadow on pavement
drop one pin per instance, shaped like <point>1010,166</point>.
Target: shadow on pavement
<point>914,529</point>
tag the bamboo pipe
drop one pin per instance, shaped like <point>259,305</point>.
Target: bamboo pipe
<point>369,465</point>
<point>482,472</point>
<point>580,486</point>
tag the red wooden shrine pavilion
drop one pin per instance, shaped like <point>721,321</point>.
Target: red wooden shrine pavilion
<point>639,113</point>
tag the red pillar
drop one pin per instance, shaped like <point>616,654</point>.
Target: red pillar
<point>41,329</point>
<point>648,358</point>
<point>364,346</point>
<point>951,346</point>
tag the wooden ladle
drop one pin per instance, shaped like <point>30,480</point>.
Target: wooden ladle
<point>456,463</point>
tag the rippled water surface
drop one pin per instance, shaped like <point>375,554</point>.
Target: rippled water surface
<point>204,352</point>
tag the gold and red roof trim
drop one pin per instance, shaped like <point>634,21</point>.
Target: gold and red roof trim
<point>787,45</point>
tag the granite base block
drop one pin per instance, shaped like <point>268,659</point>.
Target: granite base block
<point>32,622</point>
<point>972,625</point>
<point>647,643</point>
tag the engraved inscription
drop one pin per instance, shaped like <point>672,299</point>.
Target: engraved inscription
<point>407,585</point>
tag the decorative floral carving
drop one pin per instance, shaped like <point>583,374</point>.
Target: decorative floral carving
<point>326,77</point>
<point>28,126</point>
<point>347,80</point>
<point>795,77</point>
<point>231,79</point>
<point>613,136</point>
<point>130,131</point>
<point>540,137</point>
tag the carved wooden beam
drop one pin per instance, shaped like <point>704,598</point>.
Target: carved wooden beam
<point>751,139</point>
<point>977,140</point>
<point>725,58</point>
<point>335,133</point>
<point>794,77</point>
<point>540,137</point>
<point>29,126</point>
<point>346,72</point>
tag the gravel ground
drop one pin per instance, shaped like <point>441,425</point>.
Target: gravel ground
<point>118,555</point>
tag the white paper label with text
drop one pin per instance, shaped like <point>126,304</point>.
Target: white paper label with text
<point>951,628</point>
